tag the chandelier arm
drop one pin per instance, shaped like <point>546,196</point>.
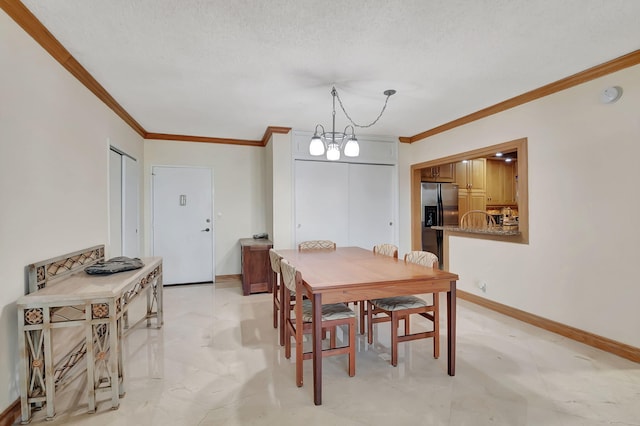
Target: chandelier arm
<point>351,120</point>
<point>353,131</point>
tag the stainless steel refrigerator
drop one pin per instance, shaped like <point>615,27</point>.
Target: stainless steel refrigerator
<point>439,208</point>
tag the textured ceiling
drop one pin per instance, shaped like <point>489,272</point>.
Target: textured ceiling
<point>231,68</point>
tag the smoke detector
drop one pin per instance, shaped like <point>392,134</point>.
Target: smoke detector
<point>611,94</point>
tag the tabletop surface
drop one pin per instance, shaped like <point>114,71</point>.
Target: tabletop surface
<point>328,268</point>
<point>81,284</point>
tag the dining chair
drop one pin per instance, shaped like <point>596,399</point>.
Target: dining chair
<point>333,316</point>
<point>278,313</point>
<point>386,250</point>
<point>316,244</point>
<point>477,219</point>
<point>399,308</point>
<point>390,250</point>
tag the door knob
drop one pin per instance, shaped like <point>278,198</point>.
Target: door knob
<point>206,230</point>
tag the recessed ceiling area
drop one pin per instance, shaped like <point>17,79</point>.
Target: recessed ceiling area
<point>504,156</point>
<point>230,69</point>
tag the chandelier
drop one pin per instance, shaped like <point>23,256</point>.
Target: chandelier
<point>333,142</point>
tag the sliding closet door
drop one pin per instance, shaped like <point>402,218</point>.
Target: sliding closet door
<point>371,205</point>
<point>124,205</point>
<point>321,201</point>
<point>351,204</point>
<point>115,204</point>
<point>130,207</point>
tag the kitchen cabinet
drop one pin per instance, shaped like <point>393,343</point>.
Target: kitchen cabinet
<point>443,173</point>
<point>511,183</point>
<point>471,180</point>
<point>468,200</point>
<point>255,265</point>
<point>501,182</point>
<point>470,174</point>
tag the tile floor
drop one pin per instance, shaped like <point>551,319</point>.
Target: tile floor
<point>217,362</point>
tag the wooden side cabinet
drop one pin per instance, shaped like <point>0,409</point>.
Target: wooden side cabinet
<point>255,265</point>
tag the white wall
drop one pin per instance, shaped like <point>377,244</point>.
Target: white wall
<point>238,191</point>
<point>580,267</point>
<point>54,151</point>
<point>282,181</point>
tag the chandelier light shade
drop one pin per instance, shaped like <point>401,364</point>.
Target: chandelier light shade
<point>334,142</point>
<point>352,149</point>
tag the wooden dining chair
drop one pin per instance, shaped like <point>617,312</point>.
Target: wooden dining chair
<point>399,308</point>
<point>316,244</point>
<point>276,279</point>
<point>333,316</point>
<point>386,249</point>
<point>477,219</point>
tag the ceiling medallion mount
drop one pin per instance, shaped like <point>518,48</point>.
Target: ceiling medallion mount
<point>333,142</point>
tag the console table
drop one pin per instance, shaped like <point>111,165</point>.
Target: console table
<point>70,315</point>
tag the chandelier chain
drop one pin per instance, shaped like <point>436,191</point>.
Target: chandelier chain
<point>353,122</point>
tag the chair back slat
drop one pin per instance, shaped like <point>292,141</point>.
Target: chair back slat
<point>275,258</point>
<point>316,244</point>
<point>477,219</point>
<point>424,258</point>
<point>288,272</point>
<point>386,250</point>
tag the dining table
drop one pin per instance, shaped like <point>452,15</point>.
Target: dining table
<point>351,274</point>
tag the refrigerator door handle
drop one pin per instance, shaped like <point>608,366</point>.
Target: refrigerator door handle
<point>440,209</point>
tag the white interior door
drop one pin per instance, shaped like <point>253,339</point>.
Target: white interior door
<point>371,205</point>
<point>321,201</point>
<point>182,223</point>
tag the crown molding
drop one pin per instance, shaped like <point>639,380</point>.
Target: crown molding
<point>271,130</point>
<point>32,26</point>
<point>205,139</point>
<point>609,67</point>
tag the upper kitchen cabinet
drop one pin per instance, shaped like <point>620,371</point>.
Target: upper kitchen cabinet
<point>443,173</point>
<point>471,181</point>
<point>511,183</point>
<point>501,182</point>
<point>470,174</point>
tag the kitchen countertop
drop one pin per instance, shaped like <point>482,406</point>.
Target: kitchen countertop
<point>498,230</point>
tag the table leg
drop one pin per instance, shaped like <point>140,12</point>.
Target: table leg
<point>317,349</point>
<point>25,368</point>
<point>158,289</point>
<point>451,329</point>
<point>284,304</point>
<point>89,336</point>
<point>150,293</point>
<point>114,348</point>
<point>49,367</point>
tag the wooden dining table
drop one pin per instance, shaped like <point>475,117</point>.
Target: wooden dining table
<point>349,274</point>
